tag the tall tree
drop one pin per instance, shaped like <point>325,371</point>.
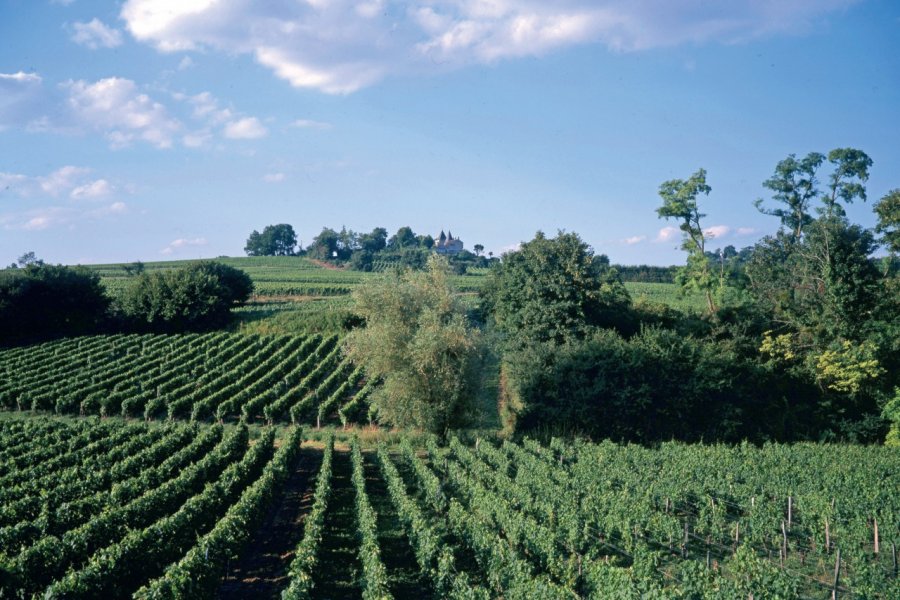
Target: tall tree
<point>847,181</point>
<point>680,202</point>
<point>794,185</point>
<point>417,340</point>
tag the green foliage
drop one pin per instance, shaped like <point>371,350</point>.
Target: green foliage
<point>199,296</point>
<point>888,211</point>
<point>275,240</point>
<point>680,202</point>
<point>654,386</point>
<point>794,185</point>
<point>417,341</point>
<point>552,290</point>
<point>41,300</point>
<point>891,414</point>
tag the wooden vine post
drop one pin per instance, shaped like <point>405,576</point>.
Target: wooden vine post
<point>837,575</point>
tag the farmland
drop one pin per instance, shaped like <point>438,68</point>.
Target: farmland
<point>115,509</point>
<point>200,377</point>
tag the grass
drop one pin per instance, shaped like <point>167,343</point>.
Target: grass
<point>666,293</point>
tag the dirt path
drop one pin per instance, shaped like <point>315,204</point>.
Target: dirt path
<point>261,570</point>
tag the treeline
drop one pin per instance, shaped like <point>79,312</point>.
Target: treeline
<point>800,339</point>
<point>361,251</point>
<point>39,301</point>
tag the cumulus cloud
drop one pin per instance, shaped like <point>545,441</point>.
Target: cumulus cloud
<point>745,231</point>
<point>247,128</point>
<point>666,234</point>
<point>182,243</point>
<point>635,239</point>
<point>341,46</point>
<point>274,177</point>
<point>115,107</point>
<point>94,34</point>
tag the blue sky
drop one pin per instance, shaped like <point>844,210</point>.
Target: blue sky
<point>155,129</point>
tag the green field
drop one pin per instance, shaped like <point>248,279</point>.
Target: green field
<point>116,509</point>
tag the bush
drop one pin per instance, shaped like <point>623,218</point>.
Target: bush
<point>43,300</point>
<point>196,297</point>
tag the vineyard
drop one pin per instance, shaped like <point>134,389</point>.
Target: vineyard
<point>200,377</point>
<point>112,509</point>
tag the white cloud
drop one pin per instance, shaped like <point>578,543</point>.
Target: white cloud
<point>717,231</point>
<point>186,63</point>
<point>274,177</point>
<point>247,128</point>
<point>635,239</point>
<point>340,46</point>
<point>745,231</point>
<point>115,107</point>
<point>310,124</point>
<point>94,34</point>
<point>95,189</point>
<point>182,243</point>
<point>61,180</point>
<point>21,77</point>
<point>71,181</point>
<point>666,234</point>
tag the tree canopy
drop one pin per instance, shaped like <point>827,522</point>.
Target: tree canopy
<point>417,340</point>
<point>275,240</point>
<point>552,289</point>
<point>43,300</point>
<point>199,296</point>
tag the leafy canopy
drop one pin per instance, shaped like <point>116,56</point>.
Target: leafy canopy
<point>418,342</point>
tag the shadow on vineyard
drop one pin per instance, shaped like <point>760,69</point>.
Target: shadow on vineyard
<point>339,567</point>
<point>403,573</point>
<point>262,570</point>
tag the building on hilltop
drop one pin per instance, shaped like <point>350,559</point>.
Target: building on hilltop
<point>447,245</point>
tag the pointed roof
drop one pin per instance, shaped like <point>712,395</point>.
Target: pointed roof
<point>449,236</point>
<point>443,237</point>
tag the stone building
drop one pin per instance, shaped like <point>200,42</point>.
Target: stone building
<point>447,244</point>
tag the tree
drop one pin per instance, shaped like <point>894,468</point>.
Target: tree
<point>795,186</point>
<point>888,211</point>
<point>325,245</point>
<point>478,248</point>
<point>404,238</point>
<point>847,181</point>
<point>198,296</point>
<point>552,290</point>
<point>417,340</point>
<point>680,202</point>
<point>40,300</point>
<point>29,258</point>
<point>375,241</point>
<point>275,240</point>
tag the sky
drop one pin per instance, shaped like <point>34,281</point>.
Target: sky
<point>170,129</point>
